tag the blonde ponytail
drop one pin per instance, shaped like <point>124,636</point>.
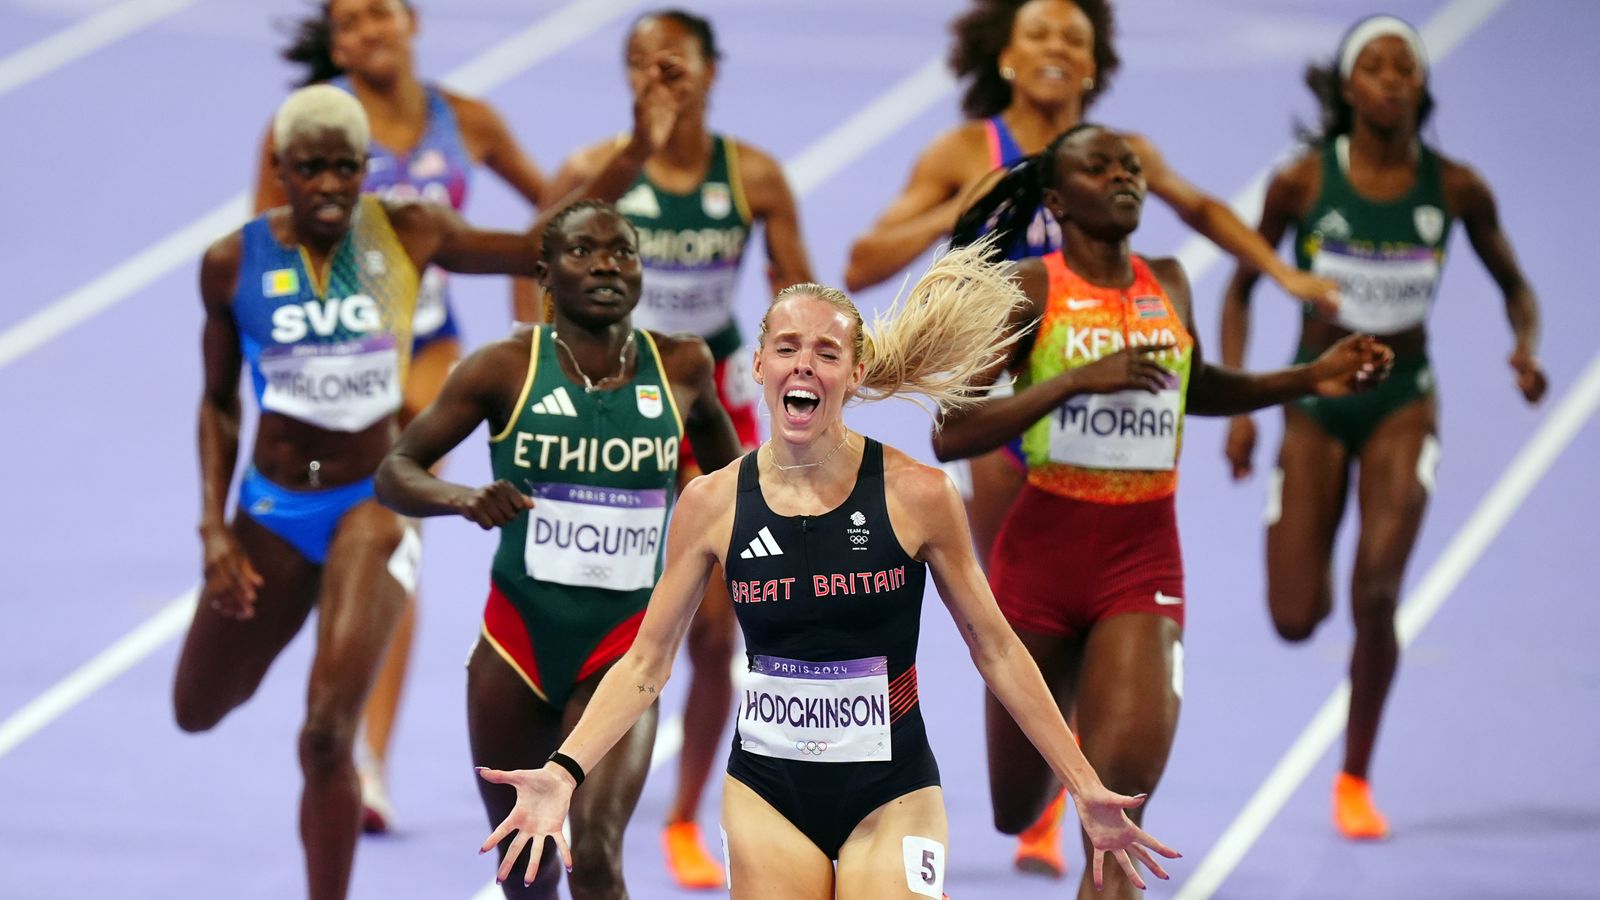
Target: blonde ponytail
<point>935,340</point>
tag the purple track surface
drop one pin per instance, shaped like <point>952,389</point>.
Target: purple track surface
<point>1494,706</point>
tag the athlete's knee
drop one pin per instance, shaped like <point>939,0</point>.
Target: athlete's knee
<point>1296,628</point>
<point>326,746</point>
<point>597,868</point>
<point>1014,812</point>
<point>194,713</point>
<point>1374,598</point>
<point>1294,616</point>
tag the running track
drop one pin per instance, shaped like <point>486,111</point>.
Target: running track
<point>1486,762</point>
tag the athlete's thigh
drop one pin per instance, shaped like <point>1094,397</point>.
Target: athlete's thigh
<point>996,480</point>
<point>425,378</point>
<point>509,728</point>
<point>601,812</point>
<point>899,850</point>
<point>768,857</point>
<point>1398,464</point>
<point>360,604</point>
<point>224,656</point>
<point>1303,514</point>
<point>1021,783</point>
<point>1129,694</point>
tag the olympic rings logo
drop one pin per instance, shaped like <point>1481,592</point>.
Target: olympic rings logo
<point>595,573</point>
<point>858,539</point>
<point>811,748</point>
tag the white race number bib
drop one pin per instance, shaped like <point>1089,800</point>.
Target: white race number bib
<point>1379,294</point>
<point>595,536</point>
<point>699,301</point>
<point>816,711</point>
<point>1125,430</point>
<point>339,387</point>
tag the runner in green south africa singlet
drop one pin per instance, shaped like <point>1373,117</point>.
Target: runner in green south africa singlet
<point>692,246</point>
<point>1386,257</point>
<point>572,576</point>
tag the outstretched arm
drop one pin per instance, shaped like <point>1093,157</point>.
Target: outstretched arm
<point>1013,676</point>
<point>924,212</point>
<point>543,795</point>
<point>1285,198</point>
<point>1216,221</point>
<point>772,203</point>
<point>1353,364</point>
<point>1475,204</point>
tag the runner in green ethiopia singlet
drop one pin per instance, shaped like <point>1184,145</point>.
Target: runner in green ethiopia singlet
<point>692,245</point>
<point>1386,257</point>
<point>601,468</point>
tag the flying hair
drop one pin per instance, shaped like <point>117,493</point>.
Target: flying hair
<point>321,106</point>
<point>1001,216</point>
<point>935,340</point>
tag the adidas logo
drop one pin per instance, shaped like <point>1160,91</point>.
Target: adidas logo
<point>556,403</point>
<point>762,545</point>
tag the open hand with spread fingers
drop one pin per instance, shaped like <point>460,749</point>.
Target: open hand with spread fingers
<point>543,796</point>
<point>1103,814</point>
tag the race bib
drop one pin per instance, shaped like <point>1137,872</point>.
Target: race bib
<point>431,312</point>
<point>339,387</point>
<point>1125,430</point>
<point>1379,293</point>
<point>816,711</point>
<point>595,536</point>
<point>698,301</point>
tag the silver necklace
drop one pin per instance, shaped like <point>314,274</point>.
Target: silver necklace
<point>810,465</point>
<point>590,387</point>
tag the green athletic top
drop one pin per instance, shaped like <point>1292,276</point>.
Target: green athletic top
<point>1386,256</point>
<point>602,468</point>
<point>691,246</point>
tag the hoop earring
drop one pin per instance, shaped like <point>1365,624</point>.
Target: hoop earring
<point>1008,73</point>
<point>1088,84</point>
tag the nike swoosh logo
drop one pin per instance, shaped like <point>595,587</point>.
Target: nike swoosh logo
<point>1081,304</point>
<point>1167,599</point>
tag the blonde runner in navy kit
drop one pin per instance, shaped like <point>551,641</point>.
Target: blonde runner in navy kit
<point>829,727</point>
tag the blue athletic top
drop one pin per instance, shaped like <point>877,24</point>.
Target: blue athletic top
<point>329,354</point>
<point>1044,233</point>
<point>437,169</point>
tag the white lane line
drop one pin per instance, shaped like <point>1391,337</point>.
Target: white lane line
<point>1555,433</point>
<point>869,126</point>
<point>97,672</point>
<point>496,65</point>
<point>82,38</point>
<point>1440,34</point>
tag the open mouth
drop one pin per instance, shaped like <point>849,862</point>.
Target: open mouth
<point>606,293</point>
<point>329,212</point>
<point>800,403</point>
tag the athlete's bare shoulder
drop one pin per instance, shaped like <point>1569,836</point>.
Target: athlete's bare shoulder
<point>219,269</point>
<point>704,510</point>
<point>960,155</point>
<point>685,356</point>
<point>924,489</point>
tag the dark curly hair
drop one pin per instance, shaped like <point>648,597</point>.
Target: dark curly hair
<point>985,30</point>
<point>699,26</point>
<point>311,44</point>
<point>1006,209</point>
<point>559,220</point>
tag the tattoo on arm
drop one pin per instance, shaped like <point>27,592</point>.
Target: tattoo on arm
<point>646,688</point>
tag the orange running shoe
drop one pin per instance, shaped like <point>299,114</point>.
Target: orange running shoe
<point>1039,847</point>
<point>1354,813</point>
<point>687,859</point>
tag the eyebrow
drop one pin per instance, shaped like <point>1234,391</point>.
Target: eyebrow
<point>794,335</point>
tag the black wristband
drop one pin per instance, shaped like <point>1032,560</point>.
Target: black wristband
<point>570,764</point>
